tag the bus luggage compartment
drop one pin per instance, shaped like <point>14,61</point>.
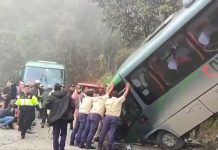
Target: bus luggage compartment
<point>187,118</point>
<point>210,99</point>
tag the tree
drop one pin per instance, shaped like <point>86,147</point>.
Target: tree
<point>136,19</point>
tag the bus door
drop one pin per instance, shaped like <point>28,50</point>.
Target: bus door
<point>145,89</point>
<point>131,113</point>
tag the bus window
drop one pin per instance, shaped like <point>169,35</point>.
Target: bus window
<point>145,84</point>
<point>46,75</point>
<point>175,60</point>
<point>204,30</point>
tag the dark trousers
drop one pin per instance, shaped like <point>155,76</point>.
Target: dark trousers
<point>59,129</point>
<point>44,115</point>
<point>91,128</point>
<point>25,120</point>
<point>110,124</point>
<point>80,126</point>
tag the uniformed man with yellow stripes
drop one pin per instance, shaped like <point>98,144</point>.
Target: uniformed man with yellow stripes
<point>27,104</point>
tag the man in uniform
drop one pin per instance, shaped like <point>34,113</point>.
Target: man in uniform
<point>84,110</point>
<point>113,107</point>
<point>27,104</point>
<point>95,116</point>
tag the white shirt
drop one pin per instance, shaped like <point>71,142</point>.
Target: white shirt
<point>204,37</point>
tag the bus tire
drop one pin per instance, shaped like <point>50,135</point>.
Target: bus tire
<point>169,141</point>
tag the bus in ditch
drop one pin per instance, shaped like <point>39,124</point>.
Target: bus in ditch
<point>173,77</point>
<point>48,73</point>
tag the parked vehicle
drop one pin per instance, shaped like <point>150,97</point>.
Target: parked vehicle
<point>48,73</point>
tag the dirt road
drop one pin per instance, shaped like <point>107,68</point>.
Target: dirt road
<point>41,140</point>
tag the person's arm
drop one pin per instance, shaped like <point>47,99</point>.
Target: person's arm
<point>17,103</point>
<point>72,104</point>
<point>48,102</point>
<point>123,97</point>
<point>110,89</point>
<point>127,89</point>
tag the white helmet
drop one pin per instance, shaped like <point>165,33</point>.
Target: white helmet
<point>37,81</point>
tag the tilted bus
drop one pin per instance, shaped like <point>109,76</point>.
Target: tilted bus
<point>48,73</point>
<point>173,77</point>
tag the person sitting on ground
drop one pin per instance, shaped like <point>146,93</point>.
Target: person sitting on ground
<point>7,117</point>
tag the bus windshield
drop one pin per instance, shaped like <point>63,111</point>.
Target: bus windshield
<point>46,76</point>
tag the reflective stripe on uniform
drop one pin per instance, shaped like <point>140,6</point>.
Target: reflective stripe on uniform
<point>27,101</point>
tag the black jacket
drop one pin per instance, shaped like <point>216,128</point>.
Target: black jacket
<point>60,107</point>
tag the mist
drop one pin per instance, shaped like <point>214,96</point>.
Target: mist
<point>67,32</point>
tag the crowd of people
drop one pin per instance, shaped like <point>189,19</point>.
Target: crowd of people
<point>90,113</point>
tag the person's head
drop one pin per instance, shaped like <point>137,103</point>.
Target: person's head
<point>57,87</point>
<point>114,94</point>
<point>90,92</point>
<point>101,92</point>
<point>95,93</point>
<point>8,83</point>
<point>37,83</point>
<point>49,87</point>
<point>78,89</point>
<point>41,86</point>
<point>12,81</point>
<point>72,88</point>
<point>26,89</point>
<point>86,88</point>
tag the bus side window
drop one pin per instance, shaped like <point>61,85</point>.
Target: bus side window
<point>145,84</point>
<point>204,30</point>
<point>180,59</point>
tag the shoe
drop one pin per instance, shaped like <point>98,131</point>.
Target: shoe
<point>71,143</point>
<point>30,131</point>
<point>42,125</point>
<point>100,147</point>
<point>96,139</point>
<point>2,126</point>
<point>81,145</point>
<point>22,135</point>
<point>76,144</point>
<point>33,124</point>
<point>90,147</point>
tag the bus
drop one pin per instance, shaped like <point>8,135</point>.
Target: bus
<point>48,73</point>
<point>173,77</point>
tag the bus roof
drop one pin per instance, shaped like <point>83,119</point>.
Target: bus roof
<point>175,23</point>
<point>44,64</point>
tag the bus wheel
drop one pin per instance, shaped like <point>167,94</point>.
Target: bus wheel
<point>169,141</point>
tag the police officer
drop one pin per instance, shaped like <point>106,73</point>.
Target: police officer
<point>27,104</point>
